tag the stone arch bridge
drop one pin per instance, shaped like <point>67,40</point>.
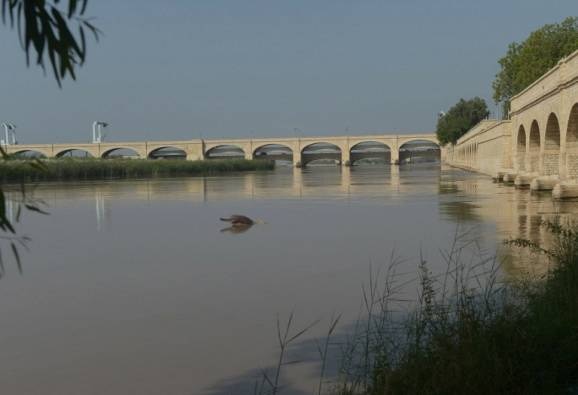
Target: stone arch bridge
<point>343,149</point>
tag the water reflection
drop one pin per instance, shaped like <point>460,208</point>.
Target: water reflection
<point>136,287</point>
<point>236,229</point>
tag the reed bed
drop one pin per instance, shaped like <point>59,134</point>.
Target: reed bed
<point>468,331</point>
<point>471,333</point>
<point>18,171</point>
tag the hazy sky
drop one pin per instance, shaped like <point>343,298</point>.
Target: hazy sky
<point>181,69</point>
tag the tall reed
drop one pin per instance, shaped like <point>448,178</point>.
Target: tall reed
<point>103,169</point>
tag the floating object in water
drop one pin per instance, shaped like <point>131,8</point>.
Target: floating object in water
<point>239,220</point>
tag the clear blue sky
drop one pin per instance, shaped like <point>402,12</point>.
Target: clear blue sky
<point>180,69</point>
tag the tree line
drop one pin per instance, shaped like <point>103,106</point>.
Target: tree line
<point>522,64</point>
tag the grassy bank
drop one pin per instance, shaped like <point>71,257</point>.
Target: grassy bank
<point>104,169</point>
<point>472,336</point>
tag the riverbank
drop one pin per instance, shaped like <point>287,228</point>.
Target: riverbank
<point>514,338</point>
<point>16,171</point>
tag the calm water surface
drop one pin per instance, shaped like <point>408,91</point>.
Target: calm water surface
<point>133,287</point>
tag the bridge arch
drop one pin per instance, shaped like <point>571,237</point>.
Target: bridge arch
<point>370,152</point>
<point>167,152</point>
<point>431,140</point>
<point>122,152</point>
<point>275,152</point>
<point>551,157</point>
<point>521,148</point>
<point>321,152</point>
<point>225,151</point>
<point>572,143</point>
<point>423,150</point>
<point>534,147</point>
<point>73,152</point>
<point>30,154</point>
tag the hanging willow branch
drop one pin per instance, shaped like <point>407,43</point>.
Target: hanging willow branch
<point>52,32</point>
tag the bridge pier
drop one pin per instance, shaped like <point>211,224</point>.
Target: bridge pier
<point>345,158</point>
<point>395,156</point>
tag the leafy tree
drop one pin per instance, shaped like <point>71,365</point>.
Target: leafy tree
<point>53,33</point>
<point>461,118</point>
<point>527,61</point>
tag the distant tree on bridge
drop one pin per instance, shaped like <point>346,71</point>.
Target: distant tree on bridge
<point>461,118</point>
<point>525,62</point>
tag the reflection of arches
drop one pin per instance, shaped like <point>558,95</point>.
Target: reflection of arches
<point>74,153</point>
<point>423,150</point>
<point>534,147</point>
<point>29,154</point>
<point>521,148</point>
<point>225,151</point>
<point>370,152</point>
<point>572,143</point>
<point>551,146</point>
<point>120,152</point>
<point>276,152</point>
<point>322,153</point>
<point>167,152</point>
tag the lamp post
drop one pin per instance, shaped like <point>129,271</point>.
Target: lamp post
<point>97,131</point>
<point>9,134</point>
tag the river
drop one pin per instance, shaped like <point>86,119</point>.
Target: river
<point>135,287</point>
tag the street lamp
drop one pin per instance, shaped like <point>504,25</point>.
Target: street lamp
<point>9,133</point>
<point>97,131</point>
<point>298,132</point>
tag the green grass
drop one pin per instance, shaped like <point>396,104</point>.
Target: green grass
<point>470,334</point>
<point>13,171</point>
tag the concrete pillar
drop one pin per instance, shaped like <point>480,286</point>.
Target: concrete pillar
<point>195,151</point>
<point>544,183</point>
<point>297,159</point>
<point>345,157</point>
<point>565,190</point>
<point>395,156</point>
<point>524,180</point>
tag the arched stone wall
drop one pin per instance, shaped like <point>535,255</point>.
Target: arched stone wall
<point>551,155</point>
<point>521,149</point>
<point>572,144</point>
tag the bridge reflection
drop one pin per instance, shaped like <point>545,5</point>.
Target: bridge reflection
<point>515,213</point>
<point>462,197</point>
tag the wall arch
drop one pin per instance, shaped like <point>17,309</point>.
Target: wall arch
<point>551,158</point>
<point>424,150</point>
<point>225,151</point>
<point>275,152</point>
<point>367,152</point>
<point>120,152</point>
<point>73,153</point>
<point>572,143</point>
<point>321,153</point>
<point>29,154</point>
<point>167,152</point>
